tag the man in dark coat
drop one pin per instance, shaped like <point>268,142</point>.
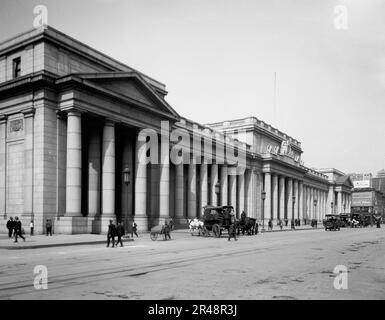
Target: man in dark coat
<point>232,229</point>
<point>167,231</point>
<point>48,227</point>
<point>18,229</point>
<point>10,226</point>
<point>111,234</point>
<point>120,233</point>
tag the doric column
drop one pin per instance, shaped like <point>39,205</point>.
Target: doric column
<point>281,192</point>
<point>300,200</point>
<point>74,164</point>
<point>311,203</point>
<point>214,201</point>
<point>267,189</point>
<point>241,192</point>
<point>141,185</point>
<point>108,170</point>
<point>339,202</point>
<point>296,203</point>
<point>164,173</point>
<point>330,200</point>
<point>28,163</point>
<point>192,191</point>
<point>289,198</point>
<point>274,211</point>
<point>250,189</point>
<point>233,190</point>
<point>179,192</point>
<point>224,185</point>
<point>94,148</point>
<point>3,132</point>
<point>204,185</point>
<point>258,182</point>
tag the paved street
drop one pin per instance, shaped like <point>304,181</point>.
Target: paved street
<point>280,265</point>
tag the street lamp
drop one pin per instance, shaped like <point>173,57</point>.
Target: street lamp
<point>263,194</point>
<point>315,208</point>
<point>292,216</point>
<point>126,180</point>
<point>217,191</point>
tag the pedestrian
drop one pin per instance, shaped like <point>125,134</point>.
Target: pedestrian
<point>280,224</point>
<point>270,224</point>
<point>134,228</point>
<point>120,233</point>
<point>256,227</point>
<point>18,229</point>
<point>111,234</point>
<point>232,229</point>
<point>10,227</point>
<point>31,226</point>
<point>167,231</point>
<point>292,224</point>
<point>48,227</point>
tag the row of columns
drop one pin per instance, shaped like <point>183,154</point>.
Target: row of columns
<point>234,189</point>
<point>288,198</point>
<point>232,186</point>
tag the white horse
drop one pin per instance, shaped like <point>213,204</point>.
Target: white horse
<point>195,224</point>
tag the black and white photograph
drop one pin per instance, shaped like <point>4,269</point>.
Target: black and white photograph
<point>205,152</point>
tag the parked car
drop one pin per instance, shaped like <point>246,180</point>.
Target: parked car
<point>332,222</point>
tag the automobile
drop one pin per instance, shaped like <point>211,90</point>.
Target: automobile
<point>332,222</point>
<point>345,220</point>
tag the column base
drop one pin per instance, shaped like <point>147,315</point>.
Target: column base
<point>181,222</point>
<point>71,225</point>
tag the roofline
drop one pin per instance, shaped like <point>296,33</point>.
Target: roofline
<point>55,35</point>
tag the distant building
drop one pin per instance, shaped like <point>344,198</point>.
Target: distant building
<point>369,193</point>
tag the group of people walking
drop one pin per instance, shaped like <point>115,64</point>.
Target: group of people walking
<point>15,228</point>
<point>118,231</point>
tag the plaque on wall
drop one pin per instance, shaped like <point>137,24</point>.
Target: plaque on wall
<point>15,128</point>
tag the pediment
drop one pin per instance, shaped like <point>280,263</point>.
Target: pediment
<point>132,86</point>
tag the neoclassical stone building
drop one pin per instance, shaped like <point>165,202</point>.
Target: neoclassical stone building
<point>70,118</point>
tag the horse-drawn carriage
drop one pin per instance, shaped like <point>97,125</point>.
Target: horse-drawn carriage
<point>246,225</point>
<point>216,219</point>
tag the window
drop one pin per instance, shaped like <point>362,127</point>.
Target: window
<point>16,67</point>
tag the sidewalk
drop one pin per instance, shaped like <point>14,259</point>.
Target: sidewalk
<point>62,240</point>
<point>288,228</point>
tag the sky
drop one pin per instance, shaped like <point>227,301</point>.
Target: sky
<point>218,59</point>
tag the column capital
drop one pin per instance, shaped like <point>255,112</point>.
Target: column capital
<point>74,112</point>
<point>28,112</point>
<point>109,123</point>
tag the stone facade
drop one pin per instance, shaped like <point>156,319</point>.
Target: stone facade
<point>71,149</point>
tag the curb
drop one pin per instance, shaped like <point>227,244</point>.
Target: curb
<point>52,245</point>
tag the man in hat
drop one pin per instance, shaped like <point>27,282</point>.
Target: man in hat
<point>18,229</point>
<point>120,233</point>
<point>111,234</point>
<point>10,226</point>
<point>232,228</point>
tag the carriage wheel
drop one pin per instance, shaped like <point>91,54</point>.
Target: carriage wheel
<point>205,232</point>
<point>216,230</point>
<point>153,236</point>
